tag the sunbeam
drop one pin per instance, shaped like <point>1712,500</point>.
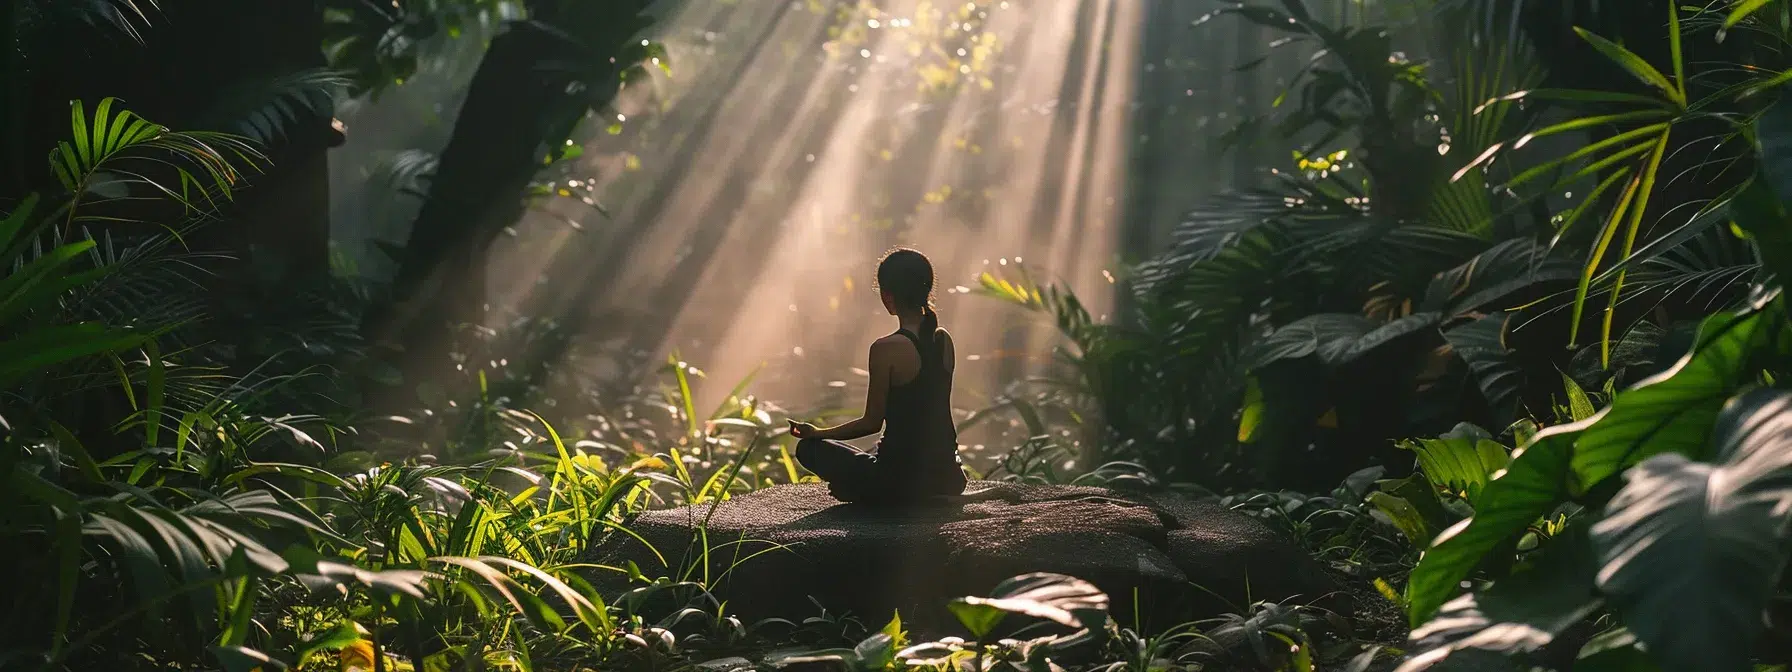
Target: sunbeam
<point>546,335</point>
<point>743,234</point>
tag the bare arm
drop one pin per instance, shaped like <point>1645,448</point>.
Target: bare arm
<point>875,395</point>
<point>949,356</point>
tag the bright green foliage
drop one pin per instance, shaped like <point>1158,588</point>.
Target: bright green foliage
<point>1680,476</point>
<point>1521,613</point>
<point>30,342</point>
<point>1533,484</point>
<point>1462,460</point>
<point>1673,412</point>
<point>252,562</point>
<point>1064,600</point>
<point>1691,552</point>
<point>124,148</point>
<point>1336,279</point>
<point>1406,516</point>
<point>1580,406</point>
<point>1045,598</point>
<point>187,523</point>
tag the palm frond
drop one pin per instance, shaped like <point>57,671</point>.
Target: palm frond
<point>265,110</point>
<point>115,152</point>
<point>405,171</point>
<point>1713,268</point>
<point>129,17</point>
<point>1476,120</point>
<point>1703,266</point>
<point>1292,202</point>
<point>1208,302</point>
<point>150,282</point>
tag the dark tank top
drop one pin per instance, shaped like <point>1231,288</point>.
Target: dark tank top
<point>919,433</point>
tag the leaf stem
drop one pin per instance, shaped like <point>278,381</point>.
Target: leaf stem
<point>1636,223</point>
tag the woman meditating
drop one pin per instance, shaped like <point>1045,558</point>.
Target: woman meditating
<point>909,398</point>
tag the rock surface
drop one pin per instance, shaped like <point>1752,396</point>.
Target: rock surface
<point>774,549</point>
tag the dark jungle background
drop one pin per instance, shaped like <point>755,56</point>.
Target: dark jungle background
<point>333,333</point>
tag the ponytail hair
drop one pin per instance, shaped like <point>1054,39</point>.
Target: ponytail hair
<point>930,332</point>
<point>908,276</point>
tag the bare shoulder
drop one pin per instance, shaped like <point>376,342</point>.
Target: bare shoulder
<point>888,342</point>
<point>947,352</point>
<point>888,347</point>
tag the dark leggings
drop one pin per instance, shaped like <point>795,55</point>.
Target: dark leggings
<point>854,475</point>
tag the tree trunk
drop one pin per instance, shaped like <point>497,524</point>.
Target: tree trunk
<point>494,152</point>
<point>522,101</point>
<point>594,269</point>
<point>285,215</point>
<point>1152,162</point>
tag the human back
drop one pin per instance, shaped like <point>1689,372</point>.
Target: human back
<point>918,421</point>
<point>909,398</point>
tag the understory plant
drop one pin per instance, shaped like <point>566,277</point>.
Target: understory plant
<point>170,523</point>
<point>1065,623</point>
<point>1296,326</point>
<point>1671,533</point>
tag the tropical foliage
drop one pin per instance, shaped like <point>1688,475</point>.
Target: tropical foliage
<point>1638,530</point>
<point>1503,344</point>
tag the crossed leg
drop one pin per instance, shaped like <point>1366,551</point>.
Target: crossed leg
<point>851,474</point>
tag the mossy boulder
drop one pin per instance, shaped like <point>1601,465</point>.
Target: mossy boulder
<point>773,550</point>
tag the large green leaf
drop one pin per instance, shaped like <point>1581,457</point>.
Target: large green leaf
<point>1421,495</point>
<point>1518,614</point>
<point>1405,516</point>
<point>42,348</point>
<point>1742,10</point>
<point>1634,64</point>
<point>1535,482</point>
<point>343,634</point>
<point>1327,335</point>
<point>1673,411</point>
<point>1691,552</point>
<point>1064,600</point>
<point>1463,460</point>
<point>1580,406</point>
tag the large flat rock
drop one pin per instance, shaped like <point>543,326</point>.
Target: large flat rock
<point>774,549</point>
